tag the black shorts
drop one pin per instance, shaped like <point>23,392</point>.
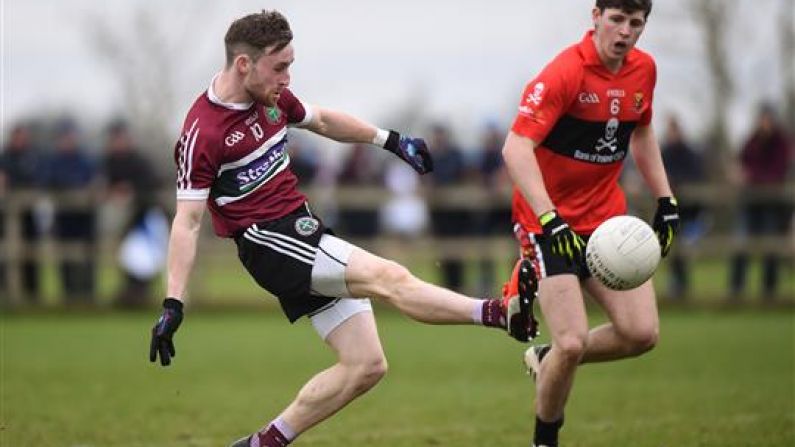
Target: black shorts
<point>537,248</point>
<point>280,255</point>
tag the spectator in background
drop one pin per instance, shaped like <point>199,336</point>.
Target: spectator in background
<point>765,160</point>
<point>21,164</point>
<point>71,170</point>
<point>361,167</point>
<point>449,170</point>
<point>493,220</point>
<point>405,213</point>
<point>303,162</point>
<point>685,167</point>
<point>133,182</point>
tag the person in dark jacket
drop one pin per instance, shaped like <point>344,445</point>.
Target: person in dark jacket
<point>131,179</point>
<point>21,164</point>
<point>684,166</point>
<point>765,160</point>
<point>72,171</point>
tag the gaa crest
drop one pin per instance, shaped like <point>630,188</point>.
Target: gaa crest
<point>638,101</point>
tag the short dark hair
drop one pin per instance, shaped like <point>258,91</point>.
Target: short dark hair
<point>628,6</point>
<point>254,33</point>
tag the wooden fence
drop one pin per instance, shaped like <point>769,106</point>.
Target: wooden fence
<point>719,203</point>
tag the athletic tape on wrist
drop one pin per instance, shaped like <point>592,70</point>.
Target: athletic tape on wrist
<point>546,217</point>
<point>380,137</point>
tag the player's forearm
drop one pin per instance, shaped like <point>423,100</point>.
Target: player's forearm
<point>342,127</point>
<point>522,166</point>
<point>646,153</point>
<point>181,253</point>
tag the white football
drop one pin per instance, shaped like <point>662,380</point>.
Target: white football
<point>623,252</point>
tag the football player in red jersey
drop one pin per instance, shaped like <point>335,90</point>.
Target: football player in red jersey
<point>577,121</point>
<point>232,159</point>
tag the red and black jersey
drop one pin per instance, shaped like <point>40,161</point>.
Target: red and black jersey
<point>581,117</point>
<point>235,157</point>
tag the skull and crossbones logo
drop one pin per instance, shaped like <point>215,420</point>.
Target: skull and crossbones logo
<point>609,141</point>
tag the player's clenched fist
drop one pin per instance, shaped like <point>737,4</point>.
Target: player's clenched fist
<point>413,151</point>
<point>564,241</point>
<point>163,332</point>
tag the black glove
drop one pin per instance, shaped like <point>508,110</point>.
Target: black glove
<point>164,330</point>
<point>666,222</point>
<point>413,151</point>
<point>565,242</point>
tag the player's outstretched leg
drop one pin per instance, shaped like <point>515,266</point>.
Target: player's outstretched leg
<point>368,275</point>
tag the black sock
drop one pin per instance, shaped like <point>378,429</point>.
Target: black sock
<point>546,433</point>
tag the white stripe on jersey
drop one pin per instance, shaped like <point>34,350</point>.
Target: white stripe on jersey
<point>259,152</point>
<point>189,185</point>
<point>299,243</point>
<point>275,246</point>
<point>185,156</point>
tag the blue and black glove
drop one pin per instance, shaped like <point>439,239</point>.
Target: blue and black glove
<point>666,222</point>
<point>413,151</point>
<point>565,242</point>
<point>163,332</point>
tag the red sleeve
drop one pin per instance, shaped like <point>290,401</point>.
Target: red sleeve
<point>545,99</point>
<point>297,112</point>
<point>645,118</point>
<point>196,159</point>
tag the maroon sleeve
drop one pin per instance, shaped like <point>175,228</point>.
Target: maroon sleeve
<point>196,161</point>
<point>296,111</point>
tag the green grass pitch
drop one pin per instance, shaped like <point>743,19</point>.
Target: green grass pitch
<point>716,379</point>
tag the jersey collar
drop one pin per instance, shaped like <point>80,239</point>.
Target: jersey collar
<point>229,105</point>
<point>588,51</point>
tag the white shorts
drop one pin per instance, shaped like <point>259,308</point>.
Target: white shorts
<point>328,279</point>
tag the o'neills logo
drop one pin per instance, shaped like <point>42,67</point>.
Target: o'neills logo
<point>616,93</point>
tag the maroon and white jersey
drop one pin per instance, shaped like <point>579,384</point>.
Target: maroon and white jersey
<point>235,157</point>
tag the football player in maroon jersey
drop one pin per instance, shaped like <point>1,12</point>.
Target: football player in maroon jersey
<point>232,160</point>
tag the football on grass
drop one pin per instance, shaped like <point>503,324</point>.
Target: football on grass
<point>623,252</point>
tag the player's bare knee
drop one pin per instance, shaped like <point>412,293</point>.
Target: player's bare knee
<point>366,374</point>
<point>639,339</point>
<point>376,370</point>
<point>643,340</point>
<point>391,278</point>
<point>571,346</point>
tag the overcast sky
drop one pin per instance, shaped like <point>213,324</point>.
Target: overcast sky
<point>465,61</point>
